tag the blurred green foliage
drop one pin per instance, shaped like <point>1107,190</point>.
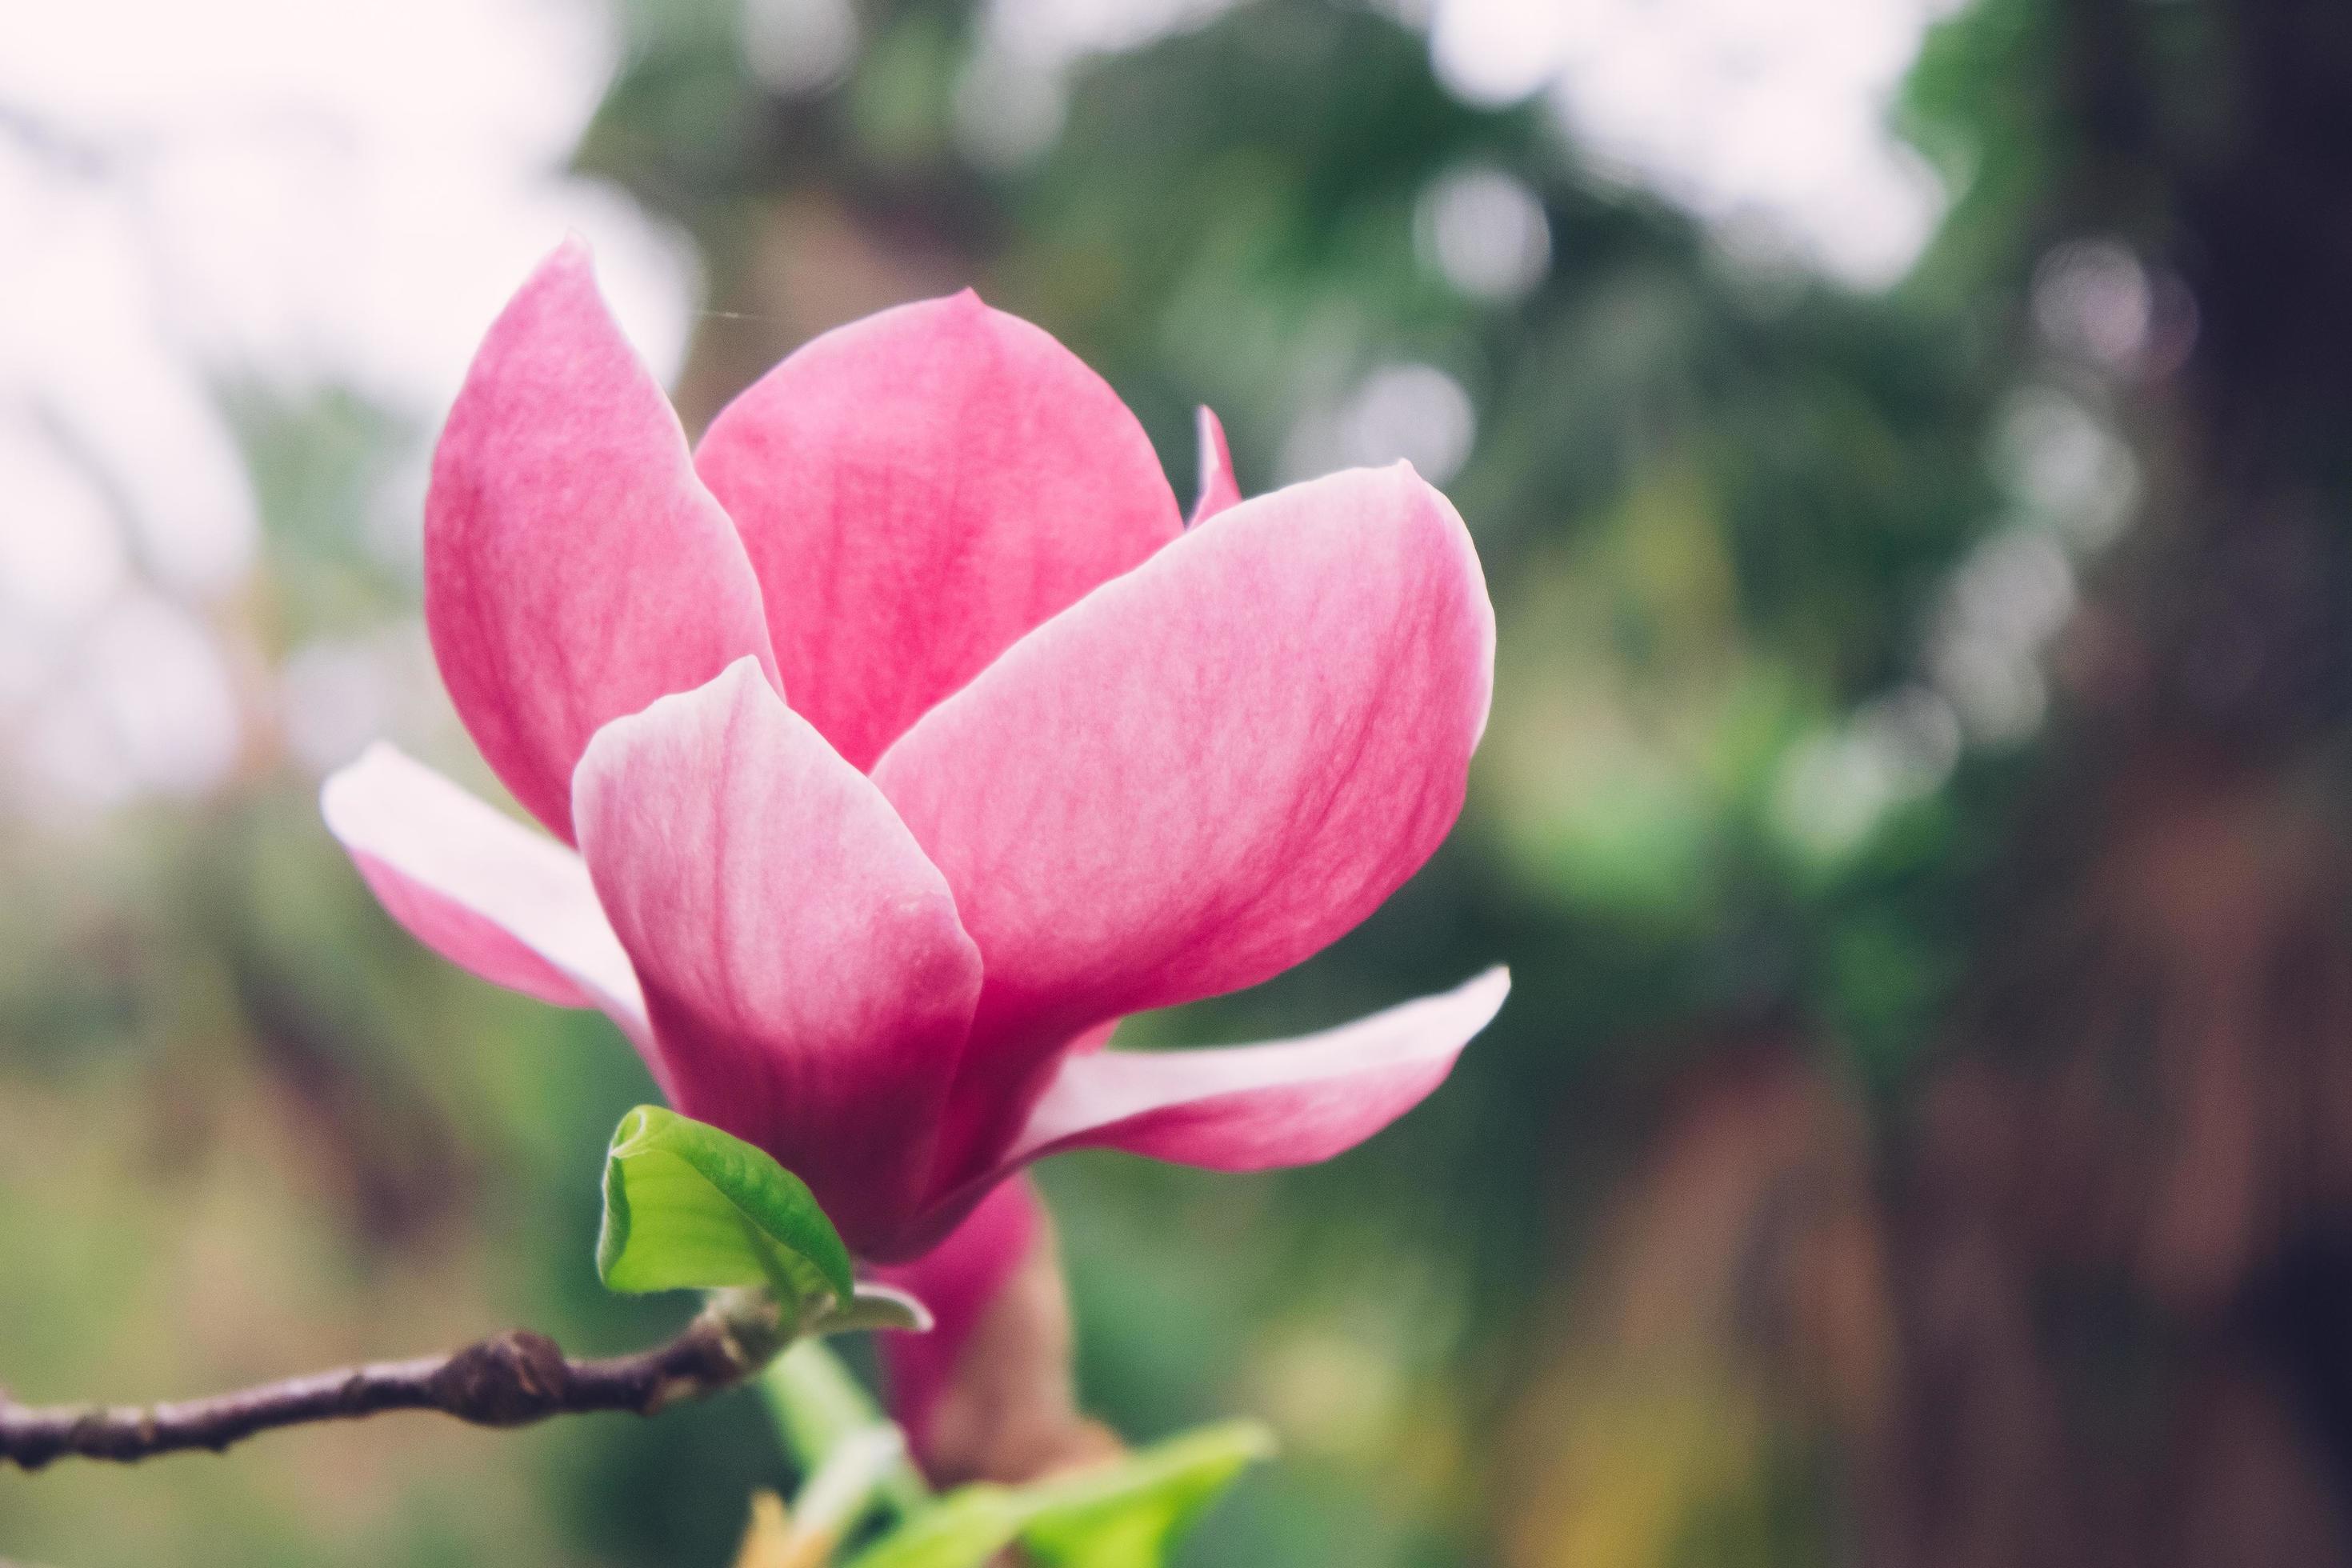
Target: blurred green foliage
<point>246,1127</point>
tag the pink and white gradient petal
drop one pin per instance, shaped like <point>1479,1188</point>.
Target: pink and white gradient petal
<point>919,489</point>
<point>481,890</point>
<point>1201,774</point>
<point>1259,1107</point>
<point>575,568</point>
<point>809,984</point>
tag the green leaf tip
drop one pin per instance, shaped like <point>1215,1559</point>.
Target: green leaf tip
<point>1128,1514</point>
<point>688,1206</point>
<point>1123,1514</point>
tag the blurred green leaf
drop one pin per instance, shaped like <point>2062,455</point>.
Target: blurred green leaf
<point>690,1207</point>
<point>963,1530</point>
<point>1121,1515</point>
<point>1127,1515</point>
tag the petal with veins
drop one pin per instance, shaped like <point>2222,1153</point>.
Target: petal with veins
<point>809,984</point>
<point>480,888</point>
<point>917,489</point>
<point>1202,773</point>
<point>575,569</point>
<point>1253,1108</point>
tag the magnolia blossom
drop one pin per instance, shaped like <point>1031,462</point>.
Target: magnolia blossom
<point>900,738</point>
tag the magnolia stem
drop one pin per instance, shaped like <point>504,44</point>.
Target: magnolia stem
<point>820,1408</point>
<point>853,1479</point>
<point>509,1380</point>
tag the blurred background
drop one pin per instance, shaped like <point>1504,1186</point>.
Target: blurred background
<point>1909,447</point>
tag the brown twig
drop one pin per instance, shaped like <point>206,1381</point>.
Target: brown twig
<point>509,1380</point>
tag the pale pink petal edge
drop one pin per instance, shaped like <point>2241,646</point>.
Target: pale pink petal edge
<point>490,895</point>
<point>1251,1108</point>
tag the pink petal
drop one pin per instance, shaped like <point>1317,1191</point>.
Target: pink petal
<point>575,569</point>
<point>1250,1108</point>
<point>919,489</point>
<point>1203,773</point>
<point>957,1280</point>
<point>1218,488</point>
<point>808,982</point>
<point>479,888</point>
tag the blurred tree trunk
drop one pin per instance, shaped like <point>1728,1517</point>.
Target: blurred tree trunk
<point>2124,1249</point>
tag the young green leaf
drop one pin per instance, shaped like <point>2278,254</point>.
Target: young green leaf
<point>690,1207</point>
<point>1124,1514</point>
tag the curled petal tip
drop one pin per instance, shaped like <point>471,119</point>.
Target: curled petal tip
<point>570,267</point>
<point>1217,489</point>
<point>374,755</point>
<point>1412,480</point>
<point>731,682</point>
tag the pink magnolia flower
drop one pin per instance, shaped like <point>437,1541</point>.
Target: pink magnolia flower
<point>901,738</point>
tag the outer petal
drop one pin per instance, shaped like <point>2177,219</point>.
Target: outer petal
<point>809,984</point>
<point>1204,771</point>
<point>1250,1108</point>
<point>919,489</point>
<point>957,1280</point>
<point>479,888</point>
<point>1218,488</point>
<point>574,567</point>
